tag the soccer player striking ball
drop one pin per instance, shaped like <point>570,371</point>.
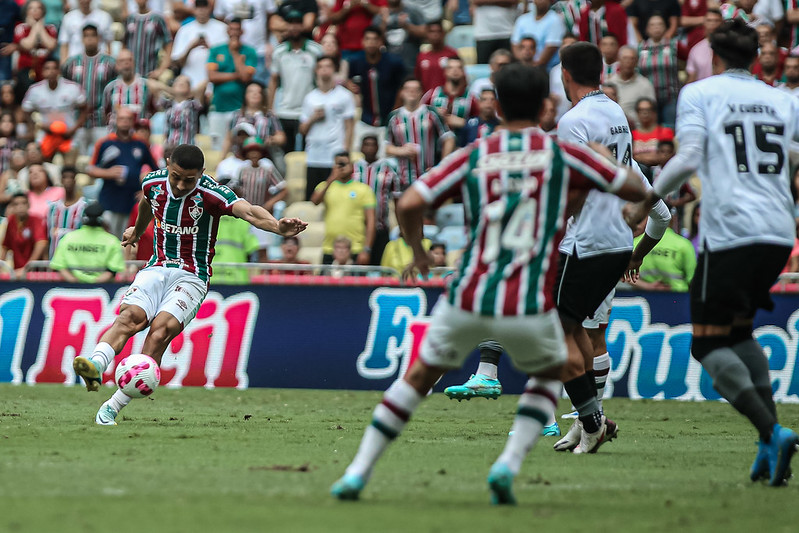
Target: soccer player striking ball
<point>518,184</point>
<point>186,205</point>
<point>735,133</point>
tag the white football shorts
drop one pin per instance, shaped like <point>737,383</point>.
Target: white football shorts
<point>175,291</point>
<point>534,342</point>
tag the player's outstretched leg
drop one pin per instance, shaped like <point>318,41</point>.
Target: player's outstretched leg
<point>107,414</point>
<point>388,420</point>
<point>484,383</point>
<point>536,406</point>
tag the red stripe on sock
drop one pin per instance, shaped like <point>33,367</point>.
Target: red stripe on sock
<point>543,392</point>
<point>402,415</point>
<point>600,373</point>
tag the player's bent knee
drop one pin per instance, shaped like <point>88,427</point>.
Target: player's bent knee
<point>132,319</point>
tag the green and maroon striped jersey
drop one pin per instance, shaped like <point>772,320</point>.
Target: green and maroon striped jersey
<point>185,228</point>
<point>382,177</point>
<point>463,106</point>
<point>145,36</point>
<point>92,73</point>
<point>515,187</point>
<point>658,62</point>
<point>422,127</point>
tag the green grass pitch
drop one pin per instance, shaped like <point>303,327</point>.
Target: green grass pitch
<point>263,460</point>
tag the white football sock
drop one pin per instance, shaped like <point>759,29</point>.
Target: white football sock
<point>601,371</point>
<point>488,370</point>
<point>102,355</point>
<point>119,400</point>
<point>536,407</point>
<point>388,420</point>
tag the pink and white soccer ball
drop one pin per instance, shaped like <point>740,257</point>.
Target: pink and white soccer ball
<point>137,375</point>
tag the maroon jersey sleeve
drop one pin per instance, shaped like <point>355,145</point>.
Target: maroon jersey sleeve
<point>445,179</point>
<point>589,170</point>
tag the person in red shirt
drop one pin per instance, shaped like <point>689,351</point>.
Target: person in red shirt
<point>351,18</point>
<point>34,41</point>
<point>26,235</point>
<point>692,20</point>
<point>596,22</point>
<point>647,137</point>
<point>430,65</point>
<point>768,67</point>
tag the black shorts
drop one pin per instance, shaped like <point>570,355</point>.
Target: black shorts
<point>735,283</point>
<point>584,283</point>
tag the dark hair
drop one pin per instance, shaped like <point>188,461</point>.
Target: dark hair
<point>188,157</point>
<point>791,56</point>
<point>695,224</point>
<point>234,20</point>
<point>27,6</point>
<point>374,29</point>
<point>521,91</point>
<point>342,153</point>
<point>583,61</point>
<point>370,136</point>
<point>529,38</point>
<point>438,245</point>
<point>68,169</point>
<point>648,100</point>
<point>201,3</point>
<point>50,59</point>
<point>438,23</point>
<point>410,79</point>
<point>666,142</point>
<point>736,43</point>
<point>90,27</point>
<point>19,194</point>
<point>326,58</point>
<point>9,113</point>
<point>295,240</point>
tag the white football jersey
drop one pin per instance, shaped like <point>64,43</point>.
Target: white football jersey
<point>747,128</point>
<point>599,227</point>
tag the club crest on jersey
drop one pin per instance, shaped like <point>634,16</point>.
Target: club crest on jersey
<point>155,192</point>
<point>196,210</point>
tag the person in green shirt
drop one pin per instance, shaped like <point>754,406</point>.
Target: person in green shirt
<point>89,254</point>
<point>669,266</point>
<point>231,67</point>
<point>235,243</point>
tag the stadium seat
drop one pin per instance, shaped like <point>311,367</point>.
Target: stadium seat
<point>454,237</point>
<point>355,156</point>
<point>468,54</point>
<point>307,211</point>
<point>476,72</point>
<point>450,215</point>
<point>460,37</point>
<point>313,236</point>
<point>203,141</point>
<point>295,176</point>
<point>454,258</point>
<point>312,254</point>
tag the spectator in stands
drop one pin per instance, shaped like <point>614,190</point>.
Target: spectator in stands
<point>143,132</point>
<point>70,35</point>
<point>524,52</point>
<point>417,135</point>
<point>499,59</point>
<point>66,214</point>
<point>255,111</point>
<point>770,70</point>
<point>611,91</point>
<point>398,254</point>
<point>657,60</point>
<point>118,160</point>
<point>342,256</point>
<point>600,18</point>
<point>309,9</point>
<point>790,20</point>
<point>546,29</point>
<point>41,191</point>
<point>692,21</point>
<point>235,243</point>
<point>556,91</point>
<point>609,46</point>
<point>493,26</point>
<point>791,75</point>
<point>93,71</point>
<point>290,249</point>
<point>381,175</point>
<point>438,254</point>
<point>460,11</point>
<point>182,112</point>
<point>293,69</point>
<point>669,266</point>
<point>9,16</point>
<point>259,181</point>
<point>331,48</point>
<point>327,122</point>
<point>147,35</point>
<point>56,99</point>
<point>404,28</point>
<point>26,235</point>
<point>700,58</point>
<point>35,40</point>
<point>231,165</point>
<point>485,122</point>
<point>33,156</point>
<point>352,18</point>
<point>193,42</point>
<point>649,133</point>
<point>630,85</point>
<point>8,139</point>
<point>452,100</point>
<point>641,11</point>
<point>89,254</point>
<point>252,15</point>
<point>349,211</point>
<point>10,103</point>
<point>231,66</point>
<point>130,90</point>
<point>430,65</point>
<point>9,184</point>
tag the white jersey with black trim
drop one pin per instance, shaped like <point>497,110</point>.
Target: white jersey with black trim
<point>599,228</point>
<point>742,129</point>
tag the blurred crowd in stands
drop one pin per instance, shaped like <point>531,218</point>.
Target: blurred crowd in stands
<point>323,109</point>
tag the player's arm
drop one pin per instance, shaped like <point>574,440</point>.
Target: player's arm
<point>132,234</point>
<point>263,219</point>
<point>659,220</point>
<point>410,215</point>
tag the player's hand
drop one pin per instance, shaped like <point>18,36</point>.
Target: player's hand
<point>130,238</point>
<point>363,258</point>
<point>421,266</point>
<point>602,150</point>
<point>633,272</point>
<point>634,213</point>
<point>289,227</point>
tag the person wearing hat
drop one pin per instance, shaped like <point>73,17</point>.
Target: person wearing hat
<point>307,10</point>
<point>89,254</point>
<point>261,183</point>
<point>232,164</point>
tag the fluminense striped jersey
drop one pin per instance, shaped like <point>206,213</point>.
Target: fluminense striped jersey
<point>182,120</point>
<point>463,106</point>
<point>515,186</point>
<point>569,10</point>
<point>62,218</point>
<point>383,178</point>
<point>92,73</point>
<point>658,63</point>
<point>422,127</point>
<point>136,96</point>
<point>145,36</point>
<point>184,229</point>
<point>260,183</point>
<point>731,11</point>
<point>793,29</point>
<point>265,124</point>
